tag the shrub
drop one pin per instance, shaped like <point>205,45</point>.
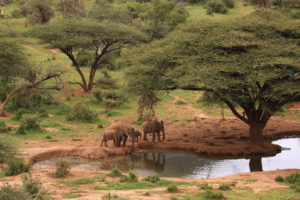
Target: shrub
<point>205,186</point>
<point>21,112</point>
<point>224,187</point>
<point>82,113</point>
<point>62,168</point>
<point>17,13</point>
<point>3,128</point>
<point>229,3</point>
<point>210,195</point>
<point>153,178</point>
<point>21,130</point>
<point>172,188</point>
<point>7,192</point>
<point>31,185</point>
<point>98,95</point>
<point>132,177</point>
<point>113,99</point>
<point>115,172</point>
<point>293,178</point>
<point>30,122</point>
<point>16,166</point>
<point>216,6</point>
<point>106,81</point>
<point>180,102</point>
<point>279,179</point>
<point>43,113</point>
<point>63,109</point>
<point>8,148</point>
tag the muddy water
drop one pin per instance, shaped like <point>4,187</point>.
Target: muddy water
<point>188,165</point>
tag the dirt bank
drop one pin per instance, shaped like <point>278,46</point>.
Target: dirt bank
<point>206,136</point>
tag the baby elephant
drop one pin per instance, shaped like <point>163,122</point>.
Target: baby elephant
<point>110,135</point>
<point>137,135</point>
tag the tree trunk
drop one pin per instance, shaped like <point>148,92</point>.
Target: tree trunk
<point>255,165</point>
<point>256,132</point>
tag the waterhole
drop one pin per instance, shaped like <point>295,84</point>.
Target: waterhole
<point>183,164</point>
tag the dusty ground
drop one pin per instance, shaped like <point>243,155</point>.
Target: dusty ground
<point>57,188</point>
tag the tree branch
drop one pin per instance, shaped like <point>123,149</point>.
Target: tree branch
<point>234,111</point>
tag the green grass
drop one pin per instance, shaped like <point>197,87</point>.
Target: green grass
<point>80,181</point>
<point>251,180</point>
<point>139,185</point>
<point>72,195</point>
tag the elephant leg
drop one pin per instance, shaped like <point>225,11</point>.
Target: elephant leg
<point>145,137</point>
<point>102,143</point>
<point>158,135</point>
<point>153,137</point>
<point>105,143</point>
<point>124,140</point>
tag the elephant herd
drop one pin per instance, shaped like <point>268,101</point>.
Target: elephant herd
<point>119,132</point>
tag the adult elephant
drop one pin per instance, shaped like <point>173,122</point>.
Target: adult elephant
<point>110,134</point>
<point>154,127</point>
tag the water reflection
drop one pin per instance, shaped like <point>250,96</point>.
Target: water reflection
<point>187,165</point>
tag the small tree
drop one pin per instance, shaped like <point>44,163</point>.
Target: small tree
<point>15,75</point>
<point>252,62</point>
<point>74,36</point>
<point>37,11</point>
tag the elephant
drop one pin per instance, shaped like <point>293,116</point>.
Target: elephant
<point>137,134</point>
<point>124,130</point>
<point>109,134</point>
<point>153,127</point>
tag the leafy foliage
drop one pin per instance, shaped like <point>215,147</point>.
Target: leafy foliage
<point>172,188</point>
<point>16,166</point>
<point>8,192</point>
<point>154,178</point>
<point>216,6</point>
<point>37,11</point>
<point>132,177</point>
<point>252,62</point>
<point>82,113</point>
<point>71,8</point>
<point>115,172</point>
<point>62,168</point>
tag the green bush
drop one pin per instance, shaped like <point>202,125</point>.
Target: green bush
<point>115,172</point>
<point>7,192</point>
<point>180,102</point>
<point>113,99</point>
<point>98,95</point>
<point>229,3</point>
<point>205,186</point>
<point>16,166</point>
<point>62,168</point>
<point>17,13</point>
<point>215,6</point>
<point>8,148</point>
<point>31,186</point>
<point>132,177</point>
<point>106,81</point>
<point>172,188</point>
<point>19,114</point>
<point>43,113</point>
<point>153,178</point>
<point>82,113</point>
<point>224,187</point>
<point>211,195</point>
<point>30,122</point>
<point>62,109</point>
<point>21,130</point>
<point>3,128</point>
<point>293,178</point>
<point>279,179</point>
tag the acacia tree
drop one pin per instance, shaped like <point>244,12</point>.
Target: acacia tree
<point>15,75</point>
<point>252,63</point>
<point>75,36</point>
